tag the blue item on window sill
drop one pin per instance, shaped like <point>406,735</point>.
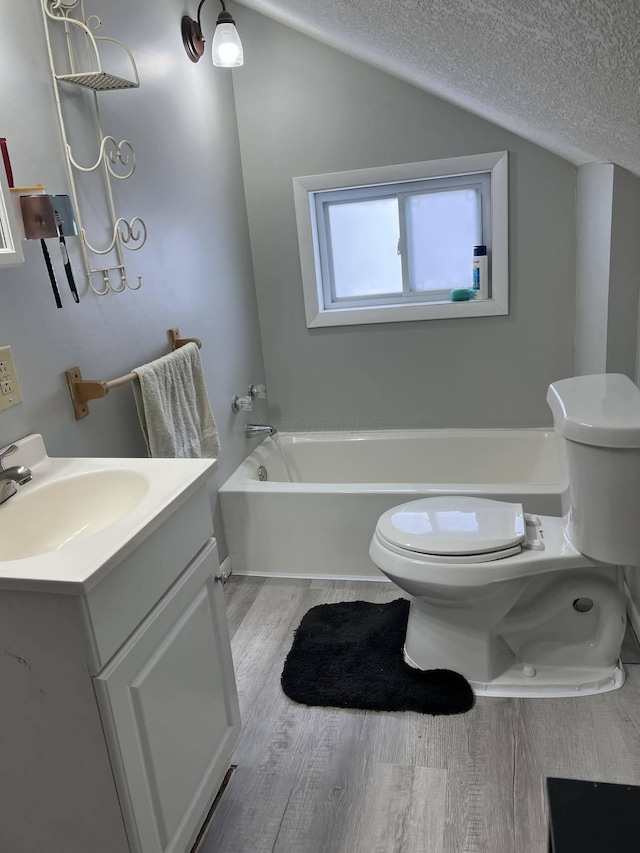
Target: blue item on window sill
<point>462,294</point>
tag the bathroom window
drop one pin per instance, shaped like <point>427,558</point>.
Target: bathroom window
<point>391,244</point>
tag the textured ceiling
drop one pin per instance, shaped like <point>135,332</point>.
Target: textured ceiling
<point>562,73</point>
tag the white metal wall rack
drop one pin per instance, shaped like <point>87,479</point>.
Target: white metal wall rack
<point>116,160</point>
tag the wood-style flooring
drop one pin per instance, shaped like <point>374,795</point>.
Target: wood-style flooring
<point>325,780</point>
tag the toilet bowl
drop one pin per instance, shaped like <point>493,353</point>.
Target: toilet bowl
<point>527,605</point>
<point>518,611</point>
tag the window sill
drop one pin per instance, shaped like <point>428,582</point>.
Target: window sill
<point>406,313</point>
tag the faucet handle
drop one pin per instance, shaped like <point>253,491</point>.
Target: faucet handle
<point>13,448</point>
<point>258,392</point>
<point>241,404</point>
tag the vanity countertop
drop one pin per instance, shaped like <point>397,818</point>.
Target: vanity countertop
<point>79,518</point>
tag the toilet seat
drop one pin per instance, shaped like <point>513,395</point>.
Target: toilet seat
<point>457,529</point>
<point>442,559</point>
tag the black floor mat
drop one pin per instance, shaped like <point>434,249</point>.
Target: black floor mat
<point>349,655</point>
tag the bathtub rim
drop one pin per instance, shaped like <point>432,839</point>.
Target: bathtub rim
<point>244,478</point>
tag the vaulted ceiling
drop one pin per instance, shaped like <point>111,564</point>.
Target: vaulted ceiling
<point>562,73</point>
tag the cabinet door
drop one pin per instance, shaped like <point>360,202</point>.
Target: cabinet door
<point>170,698</point>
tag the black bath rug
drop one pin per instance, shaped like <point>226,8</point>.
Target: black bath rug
<point>349,655</point>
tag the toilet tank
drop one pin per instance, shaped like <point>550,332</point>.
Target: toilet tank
<point>599,419</point>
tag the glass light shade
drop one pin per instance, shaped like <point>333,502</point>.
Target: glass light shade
<point>227,47</point>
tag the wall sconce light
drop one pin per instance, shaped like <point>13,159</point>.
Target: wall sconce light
<point>227,47</point>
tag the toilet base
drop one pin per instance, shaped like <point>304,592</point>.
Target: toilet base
<point>548,681</point>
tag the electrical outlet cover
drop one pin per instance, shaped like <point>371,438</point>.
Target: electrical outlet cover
<point>10,394</point>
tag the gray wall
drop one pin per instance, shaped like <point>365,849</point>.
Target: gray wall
<point>625,274</point>
<point>196,264</point>
<point>593,260</point>
<point>607,275</point>
<point>304,108</point>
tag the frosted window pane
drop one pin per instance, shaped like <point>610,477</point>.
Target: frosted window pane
<point>442,229</point>
<point>364,246</point>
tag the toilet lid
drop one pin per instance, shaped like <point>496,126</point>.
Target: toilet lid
<point>450,526</point>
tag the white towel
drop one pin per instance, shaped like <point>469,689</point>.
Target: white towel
<point>173,407</point>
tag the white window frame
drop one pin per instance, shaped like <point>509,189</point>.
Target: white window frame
<point>318,314</point>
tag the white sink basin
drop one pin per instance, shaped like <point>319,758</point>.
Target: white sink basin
<point>80,517</point>
<point>49,517</point>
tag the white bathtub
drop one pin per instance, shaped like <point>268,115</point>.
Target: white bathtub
<point>320,525</point>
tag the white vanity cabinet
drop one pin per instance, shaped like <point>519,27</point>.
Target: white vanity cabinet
<point>119,711</point>
<point>169,699</point>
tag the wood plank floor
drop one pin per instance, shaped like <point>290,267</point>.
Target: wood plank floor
<point>323,780</point>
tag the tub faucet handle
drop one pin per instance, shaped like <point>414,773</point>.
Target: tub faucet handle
<point>242,404</point>
<point>258,392</point>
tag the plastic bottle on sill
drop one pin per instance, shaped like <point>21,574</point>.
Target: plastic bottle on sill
<point>480,277</point>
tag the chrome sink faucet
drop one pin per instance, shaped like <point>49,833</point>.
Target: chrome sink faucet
<point>10,476</point>
<point>255,430</point>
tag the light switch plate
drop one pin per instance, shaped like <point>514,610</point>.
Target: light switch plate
<point>9,389</point>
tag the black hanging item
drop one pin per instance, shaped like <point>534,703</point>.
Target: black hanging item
<point>40,222</point>
<point>52,275</point>
<point>65,259</point>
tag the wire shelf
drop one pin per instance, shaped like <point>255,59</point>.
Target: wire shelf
<point>99,81</point>
<point>83,67</point>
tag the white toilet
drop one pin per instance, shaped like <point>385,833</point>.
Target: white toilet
<point>529,605</point>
